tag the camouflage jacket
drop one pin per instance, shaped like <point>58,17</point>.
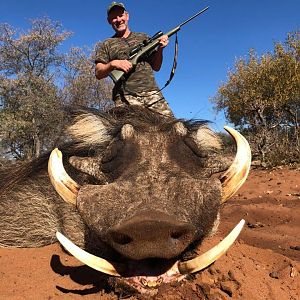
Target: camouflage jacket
<point>142,79</point>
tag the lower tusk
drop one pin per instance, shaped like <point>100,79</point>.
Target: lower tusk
<point>204,260</point>
<point>179,269</point>
<point>90,260</point>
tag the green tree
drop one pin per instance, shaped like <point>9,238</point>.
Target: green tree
<point>262,98</point>
<point>34,51</point>
<point>29,99</point>
<point>29,116</point>
<point>81,86</point>
<point>37,81</point>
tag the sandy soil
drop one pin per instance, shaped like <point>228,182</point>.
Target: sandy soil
<point>263,264</point>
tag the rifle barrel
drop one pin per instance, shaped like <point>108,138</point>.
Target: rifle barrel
<point>196,15</point>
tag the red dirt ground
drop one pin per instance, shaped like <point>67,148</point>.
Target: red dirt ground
<point>264,263</point>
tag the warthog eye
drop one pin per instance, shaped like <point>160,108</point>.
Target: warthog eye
<point>112,152</point>
<point>186,154</point>
<point>115,156</point>
<point>195,148</point>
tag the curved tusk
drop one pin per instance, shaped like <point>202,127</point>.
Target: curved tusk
<point>88,259</point>
<point>237,173</point>
<point>65,186</point>
<point>204,260</point>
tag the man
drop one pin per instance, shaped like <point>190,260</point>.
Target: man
<point>139,86</point>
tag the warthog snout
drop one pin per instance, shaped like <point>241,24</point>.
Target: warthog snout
<point>151,234</point>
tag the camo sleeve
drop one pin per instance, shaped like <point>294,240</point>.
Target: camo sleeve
<point>102,53</point>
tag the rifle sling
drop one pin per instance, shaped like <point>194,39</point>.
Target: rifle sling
<point>174,64</point>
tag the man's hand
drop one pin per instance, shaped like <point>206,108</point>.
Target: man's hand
<point>123,65</point>
<point>102,70</point>
<point>163,41</point>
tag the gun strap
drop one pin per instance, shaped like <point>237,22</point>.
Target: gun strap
<point>174,64</point>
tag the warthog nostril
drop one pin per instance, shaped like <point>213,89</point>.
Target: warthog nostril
<point>178,234</point>
<point>120,238</point>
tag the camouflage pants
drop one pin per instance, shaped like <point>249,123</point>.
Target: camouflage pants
<point>152,100</point>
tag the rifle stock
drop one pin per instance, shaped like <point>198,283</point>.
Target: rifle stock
<point>117,75</point>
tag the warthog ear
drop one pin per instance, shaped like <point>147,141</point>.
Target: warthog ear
<point>89,129</point>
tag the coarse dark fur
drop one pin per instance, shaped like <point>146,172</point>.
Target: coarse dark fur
<point>122,177</point>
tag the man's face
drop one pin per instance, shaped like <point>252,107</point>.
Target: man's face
<point>118,19</point>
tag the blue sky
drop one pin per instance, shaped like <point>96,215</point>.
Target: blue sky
<point>208,46</point>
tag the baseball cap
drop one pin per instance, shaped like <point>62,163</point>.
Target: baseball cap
<point>113,4</point>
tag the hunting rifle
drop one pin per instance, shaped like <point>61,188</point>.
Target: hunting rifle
<point>147,46</point>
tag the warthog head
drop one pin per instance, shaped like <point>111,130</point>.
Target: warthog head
<point>159,194</point>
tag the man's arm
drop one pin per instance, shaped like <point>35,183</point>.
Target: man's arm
<point>157,57</point>
<point>102,70</point>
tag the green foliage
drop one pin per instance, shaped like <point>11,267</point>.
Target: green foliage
<point>30,108</point>
<point>32,52</point>
<point>81,86</point>
<point>37,81</point>
<point>30,115</point>
<point>262,97</point>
